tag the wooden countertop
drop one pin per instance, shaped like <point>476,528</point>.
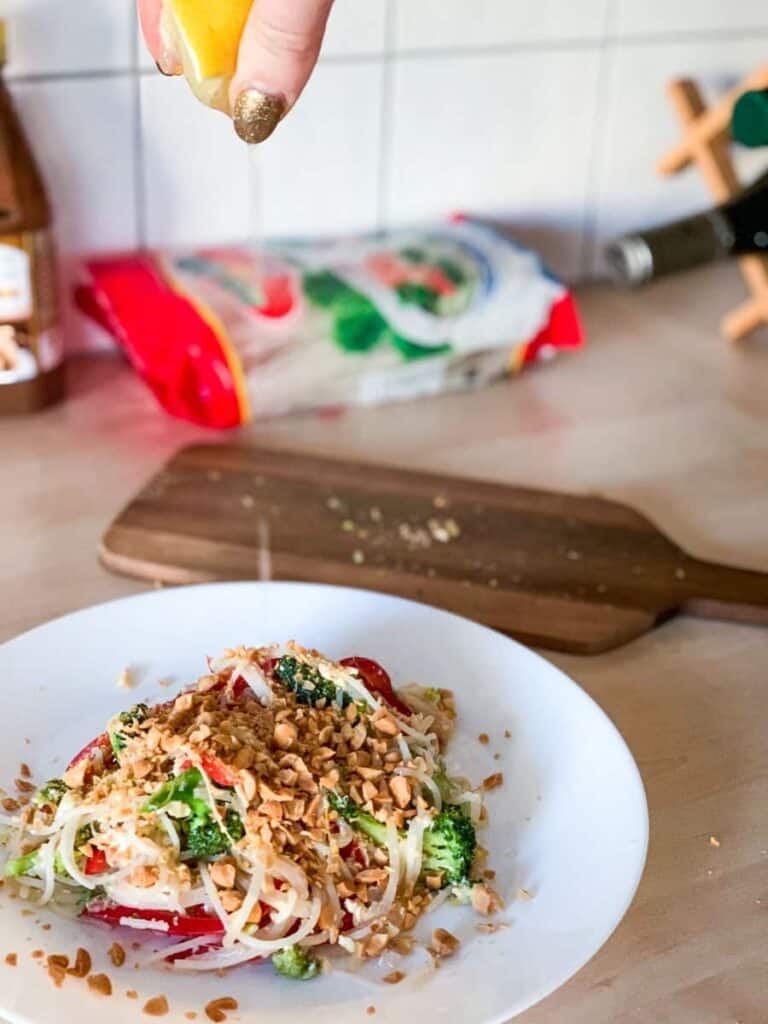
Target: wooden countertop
<point>658,412</point>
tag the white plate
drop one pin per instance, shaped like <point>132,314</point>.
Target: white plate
<point>570,824</point>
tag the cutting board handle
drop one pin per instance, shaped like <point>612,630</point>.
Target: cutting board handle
<point>726,593</point>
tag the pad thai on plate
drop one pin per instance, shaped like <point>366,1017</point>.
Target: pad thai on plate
<point>285,805</point>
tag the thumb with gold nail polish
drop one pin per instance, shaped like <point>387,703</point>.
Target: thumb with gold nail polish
<point>278,53</point>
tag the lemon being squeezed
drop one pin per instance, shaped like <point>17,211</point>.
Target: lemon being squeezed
<point>205,36</point>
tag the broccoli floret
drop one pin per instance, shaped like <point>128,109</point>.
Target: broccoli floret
<point>202,836</point>
<point>51,793</point>
<point>200,832</point>
<point>448,845</point>
<point>346,808</point>
<point>29,865</point>
<point>181,788</point>
<point>137,714</point>
<point>296,963</point>
<point>308,684</point>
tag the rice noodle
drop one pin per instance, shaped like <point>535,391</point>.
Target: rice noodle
<point>212,894</point>
<point>475,802</point>
<point>412,848</point>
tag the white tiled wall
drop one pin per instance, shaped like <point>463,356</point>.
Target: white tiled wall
<point>549,112</point>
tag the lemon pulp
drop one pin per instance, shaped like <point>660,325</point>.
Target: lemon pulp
<point>206,34</point>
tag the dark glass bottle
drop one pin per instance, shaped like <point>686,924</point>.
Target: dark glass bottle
<point>732,229</point>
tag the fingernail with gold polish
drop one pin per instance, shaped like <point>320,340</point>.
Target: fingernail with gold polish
<point>256,115</point>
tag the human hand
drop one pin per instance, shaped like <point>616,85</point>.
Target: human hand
<point>278,52</point>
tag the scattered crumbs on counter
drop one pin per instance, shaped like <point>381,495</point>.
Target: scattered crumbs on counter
<point>573,556</point>
<point>414,536</point>
<point>100,984</point>
<point>213,475</point>
<point>493,583</point>
<point>375,514</point>
<point>524,894</point>
<point>431,573</point>
<point>348,525</point>
<point>333,503</point>
<point>191,1015</point>
<point>362,534</point>
<point>125,680</point>
<point>714,841</point>
<point>131,993</point>
<point>507,734</point>
<point>679,574</point>
<point>358,557</point>
<point>370,1010</point>
<point>484,738</point>
<point>46,927</point>
<point>157,1006</point>
<point>247,501</point>
<point>27,913</point>
<point>259,481</point>
<point>27,740</point>
<point>37,954</point>
<point>497,757</point>
<point>440,501</point>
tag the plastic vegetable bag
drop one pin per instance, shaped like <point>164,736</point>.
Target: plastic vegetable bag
<point>223,335</point>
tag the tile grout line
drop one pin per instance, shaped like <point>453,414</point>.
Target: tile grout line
<point>742,34</point>
<point>140,213</point>
<point>386,115</point>
<point>591,192</point>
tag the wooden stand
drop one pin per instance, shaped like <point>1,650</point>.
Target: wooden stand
<point>706,143</point>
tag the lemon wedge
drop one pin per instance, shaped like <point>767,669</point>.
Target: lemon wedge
<point>206,36</point>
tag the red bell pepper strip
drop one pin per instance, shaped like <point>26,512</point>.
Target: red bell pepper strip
<point>101,744</point>
<point>96,863</point>
<point>378,682</point>
<point>196,922</point>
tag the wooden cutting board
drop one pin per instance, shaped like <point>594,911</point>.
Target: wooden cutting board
<point>571,573</point>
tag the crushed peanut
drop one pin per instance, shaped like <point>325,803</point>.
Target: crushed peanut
<point>117,954</point>
<point>217,1009</point>
<point>393,978</point>
<point>443,943</point>
<point>100,984</point>
<point>12,959</point>
<point>493,781</point>
<point>156,1007</point>
<point>82,965</point>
